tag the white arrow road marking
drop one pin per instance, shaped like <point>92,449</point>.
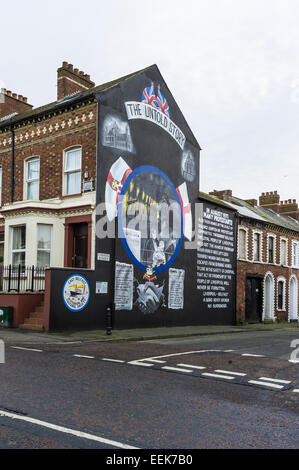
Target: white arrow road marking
<point>266,384</point>
<point>83,435</point>
<point>230,372</point>
<point>26,349</point>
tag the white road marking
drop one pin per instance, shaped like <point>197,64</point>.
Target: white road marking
<point>155,361</point>
<point>229,350</point>
<point>218,376</point>
<point>83,435</point>
<point>253,355</point>
<point>294,361</point>
<point>192,367</point>
<point>180,354</point>
<point>26,349</point>
<point>275,380</point>
<point>138,363</point>
<point>266,384</point>
<point>296,390</point>
<point>230,372</point>
<point>113,360</point>
<point>176,369</point>
<point>84,357</point>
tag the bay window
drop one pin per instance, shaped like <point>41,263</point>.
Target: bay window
<point>18,245</point>
<point>44,242</point>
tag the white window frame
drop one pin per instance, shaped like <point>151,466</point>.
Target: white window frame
<point>284,239</point>
<point>42,249</point>
<point>283,280</point>
<point>271,235</point>
<point>27,181</point>
<point>68,172</point>
<point>22,250</point>
<point>243,229</point>
<point>295,250</point>
<point>260,260</point>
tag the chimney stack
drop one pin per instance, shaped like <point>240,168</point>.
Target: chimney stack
<point>70,80</point>
<point>290,208</point>
<point>270,200</point>
<point>224,195</point>
<point>12,103</point>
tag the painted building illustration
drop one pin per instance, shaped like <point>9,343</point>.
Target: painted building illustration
<point>119,159</point>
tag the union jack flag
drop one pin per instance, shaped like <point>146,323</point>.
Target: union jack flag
<point>149,97</point>
<point>162,103</point>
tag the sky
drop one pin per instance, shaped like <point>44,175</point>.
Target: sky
<point>231,65</point>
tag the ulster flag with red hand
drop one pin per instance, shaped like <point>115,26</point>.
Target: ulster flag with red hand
<point>117,176</point>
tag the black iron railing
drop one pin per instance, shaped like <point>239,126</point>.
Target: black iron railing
<point>22,279</point>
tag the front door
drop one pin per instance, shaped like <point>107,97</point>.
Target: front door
<point>253,299</point>
<point>80,256</point>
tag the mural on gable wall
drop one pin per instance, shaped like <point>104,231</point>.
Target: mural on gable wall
<point>155,166</point>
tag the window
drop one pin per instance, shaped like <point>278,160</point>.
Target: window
<point>283,252</point>
<point>256,246</point>
<point>32,179</point>
<point>44,241</point>
<point>295,253</point>
<point>281,294</point>
<point>242,244</point>
<point>18,245</point>
<point>0,186</point>
<point>72,171</point>
<point>271,250</point>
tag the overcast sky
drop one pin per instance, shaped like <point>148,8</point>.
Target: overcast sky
<point>232,66</point>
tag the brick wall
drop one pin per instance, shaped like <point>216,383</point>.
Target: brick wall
<point>47,138</point>
<point>263,267</point>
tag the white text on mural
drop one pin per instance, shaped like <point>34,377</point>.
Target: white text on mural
<point>138,110</point>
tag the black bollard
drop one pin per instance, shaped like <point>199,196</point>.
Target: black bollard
<point>108,321</point>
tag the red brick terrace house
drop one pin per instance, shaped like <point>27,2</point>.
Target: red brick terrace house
<point>47,185</point>
<point>268,257</point>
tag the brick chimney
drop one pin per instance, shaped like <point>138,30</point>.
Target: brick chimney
<point>270,201</point>
<point>251,202</point>
<point>12,103</point>
<point>290,208</point>
<point>223,195</point>
<point>70,80</point>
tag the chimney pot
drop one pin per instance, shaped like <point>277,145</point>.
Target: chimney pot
<point>81,73</point>
<point>294,201</point>
<point>70,66</point>
<point>76,70</point>
<point>20,98</point>
<point>65,64</point>
<point>8,92</point>
<point>25,99</point>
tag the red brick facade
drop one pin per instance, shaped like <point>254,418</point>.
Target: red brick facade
<point>265,220</point>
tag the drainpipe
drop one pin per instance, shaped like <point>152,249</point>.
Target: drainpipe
<point>12,188</point>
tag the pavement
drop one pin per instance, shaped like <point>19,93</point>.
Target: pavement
<point>16,335</point>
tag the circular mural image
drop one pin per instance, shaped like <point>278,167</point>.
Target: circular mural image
<point>76,293</point>
<point>150,219</point>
